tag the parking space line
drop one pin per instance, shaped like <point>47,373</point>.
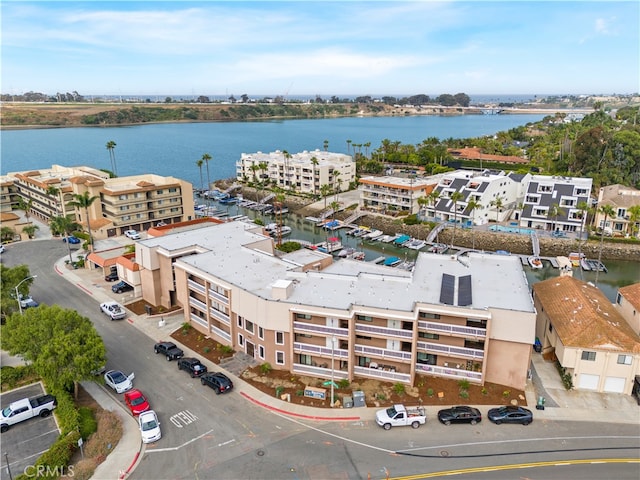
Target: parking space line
<point>173,449</point>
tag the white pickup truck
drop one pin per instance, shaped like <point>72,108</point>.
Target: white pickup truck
<point>400,416</point>
<point>25,409</point>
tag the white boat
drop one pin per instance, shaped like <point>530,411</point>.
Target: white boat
<point>374,234</point>
<point>357,255</point>
<point>392,238</point>
<point>534,261</point>
<point>438,248</point>
<point>575,257</point>
<point>328,247</point>
<point>415,244</point>
<point>345,252</point>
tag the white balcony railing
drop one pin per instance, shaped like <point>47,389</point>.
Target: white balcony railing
<point>319,371</point>
<point>382,374</point>
<point>459,330</point>
<point>382,352</point>
<point>195,286</point>
<point>194,302</point>
<point>219,297</point>
<point>451,350</point>
<point>449,372</point>
<point>384,331</point>
<point>223,317</point>
<point>300,347</point>
<point>200,321</point>
<point>221,333</point>
<point>323,329</point>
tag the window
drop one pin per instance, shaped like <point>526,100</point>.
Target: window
<point>261,333</point>
<point>173,190</point>
<point>240,321</point>
<point>279,338</point>
<point>240,340</point>
<point>434,316</point>
<point>126,217</point>
<point>280,358</point>
<point>261,351</point>
<point>305,359</point>
<point>432,336</point>
<point>589,356</point>
<point>364,318</point>
<point>122,197</point>
<point>303,316</point>
<point>625,359</point>
<point>160,192</point>
<point>248,326</point>
<point>619,299</point>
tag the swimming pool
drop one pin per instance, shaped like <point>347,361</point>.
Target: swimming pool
<point>500,228</point>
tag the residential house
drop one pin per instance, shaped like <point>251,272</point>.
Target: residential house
<point>475,154</point>
<point>299,310</point>
<point>628,303</point>
<point>622,199</point>
<point>393,194</point>
<point>587,334</point>
<point>552,203</point>
<point>303,172</point>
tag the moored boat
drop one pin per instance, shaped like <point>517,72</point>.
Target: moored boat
<point>534,261</point>
<point>392,262</point>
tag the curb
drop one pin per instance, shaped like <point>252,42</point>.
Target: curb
<point>298,415</point>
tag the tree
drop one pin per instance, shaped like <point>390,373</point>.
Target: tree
<point>334,206</point>
<point>498,204</point>
<point>199,164</point>
<point>423,202</point>
<point>326,145</point>
<point>64,225</point>
<point>287,157</point>
<point>111,146</point>
<point>56,192</point>
<point>30,230</point>
<point>348,146</point>
<point>25,206</point>
<point>336,182</point>
<point>472,206</point>
<point>205,158</point>
<point>314,162</point>
<point>554,212</point>
<point>63,346</point>
<point>607,211</point>
<point>84,201</point>
<point>325,191</point>
<point>583,208</point>
<point>9,279</point>
<point>433,198</point>
<point>455,198</point>
<point>634,219</point>
<point>7,233</point>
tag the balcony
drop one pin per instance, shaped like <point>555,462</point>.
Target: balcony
<point>448,372</point>
<point>221,333</point>
<point>451,350</point>
<point>453,330</point>
<point>200,321</point>
<point>307,348</point>
<point>303,327</point>
<point>384,331</point>
<point>368,351</point>
<point>382,374</point>
<point>319,371</point>
<point>223,317</point>
<point>196,287</point>
<point>219,297</point>
<point>194,302</point>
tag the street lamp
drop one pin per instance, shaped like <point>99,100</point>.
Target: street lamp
<point>18,294</point>
<point>333,343</point>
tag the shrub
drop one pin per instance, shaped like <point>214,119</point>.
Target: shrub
<point>381,397</point>
<point>299,393</point>
<point>104,440</point>
<point>463,384</point>
<point>399,388</point>
<point>88,423</point>
<point>227,350</point>
<point>567,381</point>
<point>343,383</point>
<point>279,390</point>
<point>13,377</point>
<point>265,368</point>
<point>506,393</point>
<point>430,392</point>
<point>206,349</point>
<point>58,456</point>
<point>186,326</point>
<point>484,391</point>
<point>464,393</point>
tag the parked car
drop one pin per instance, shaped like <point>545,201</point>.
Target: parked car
<point>132,234</point>
<point>71,239</point>
<point>119,381</point>
<point>121,287</point>
<point>169,350</point>
<point>510,414</point>
<point>400,416</point>
<point>192,365</point>
<point>1,248</point>
<point>218,381</point>
<point>149,426</point>
<point>26,301</point>
<point>460,414</point>
<point>113,310</point>
<point>136,402</point>
<point>112,276</point>
<point>26,408</point>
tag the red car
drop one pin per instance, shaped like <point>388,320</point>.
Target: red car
<point>136,402</point>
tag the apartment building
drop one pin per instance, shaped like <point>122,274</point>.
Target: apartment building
<point>299,310</point>
<point>303,172</point>
<point>587,334</point>
<point>8,194</point>
<point>553,203</point>
<point>136,202</point>
<point>495,193</point>
<point>393,194</point>
<point>622,199</point>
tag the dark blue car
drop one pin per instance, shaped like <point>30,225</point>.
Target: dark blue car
<point>71,239</point>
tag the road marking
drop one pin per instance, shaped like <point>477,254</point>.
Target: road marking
<point>185,416</point>
<point>173,449</point>
<point>227,442</point>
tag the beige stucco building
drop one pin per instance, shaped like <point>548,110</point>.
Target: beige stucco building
<point>621,199</point>
<point>304,312</point>
<point>587,334</point>
<point>628,303</point>
<point>135,202</point>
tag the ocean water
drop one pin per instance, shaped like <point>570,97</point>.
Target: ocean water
<point>173,149</point>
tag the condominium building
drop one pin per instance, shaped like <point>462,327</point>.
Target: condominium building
<point>622,199</point>
<point>300,310</point>
<point>136,202</point>
<point>554,203</point>
<point>304,172</point>
<point>393,194</point>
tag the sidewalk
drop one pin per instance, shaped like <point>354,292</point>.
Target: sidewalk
<point>560,404</point>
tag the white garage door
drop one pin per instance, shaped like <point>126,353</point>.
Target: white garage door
<point>588,382</point>
<point>614,384</point>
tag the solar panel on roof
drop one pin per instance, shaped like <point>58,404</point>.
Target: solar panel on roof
<point>464,290</point>
<point>447,288</point>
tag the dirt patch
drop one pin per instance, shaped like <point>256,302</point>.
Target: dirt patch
<point>285,385</point>
<point>139,307</point>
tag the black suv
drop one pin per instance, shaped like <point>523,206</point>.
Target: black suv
<point>218,381</point>
<point>193,366</point>
<point>168,349</point>
<point>121,287</point>
<point>112,276</point>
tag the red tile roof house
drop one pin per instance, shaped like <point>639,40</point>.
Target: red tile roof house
<point>588,335</point>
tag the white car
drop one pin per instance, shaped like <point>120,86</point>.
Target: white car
<point>118,381</point>
<point>149,426</point>
<point>113,310</point>
<point>1,248</point>
<point>132,234</point>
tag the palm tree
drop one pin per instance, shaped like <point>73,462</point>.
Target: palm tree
<point>634,219</point>
<point>326,145</point>
<point>498,203</point>
<point>205,158</point>
<point>607,211</point>
<point>199,164</point>
<point>455,198</point>
<point>433,199</point>
<point>472,206</point>
<point>111,145</point>
<point>64,225</point>
<point>56,192</point>
<point>26,207</point>
<point>555,211</point>
<point>314,162</point>
<point>422,202</point>
<point>287,157</point>
<point>348,146</point>
<point>334,206</point>
<point>583,208</point>
<point>84,201</point>
<point>325,190</point>
<point>336,182</point>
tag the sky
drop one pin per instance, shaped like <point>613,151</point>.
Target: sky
<point>270,48</point>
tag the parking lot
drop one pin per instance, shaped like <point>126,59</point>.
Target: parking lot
<point>23,443</point>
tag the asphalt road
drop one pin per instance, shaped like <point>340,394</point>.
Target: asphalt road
<point>224,436</point>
